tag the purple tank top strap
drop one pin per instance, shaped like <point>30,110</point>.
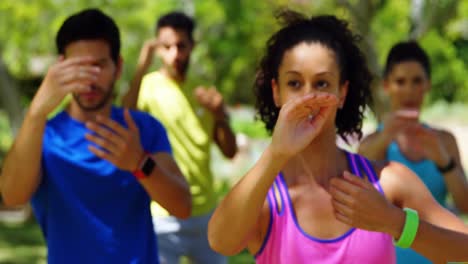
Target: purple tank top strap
<point>276,198</point>
<point>283,193</point>
<point>354,165</point>
<point>371,175</point>
<point>368,169</point>
<point>271,199</point>
<point>272,206</point>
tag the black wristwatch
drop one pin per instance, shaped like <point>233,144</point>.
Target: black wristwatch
<point>450,166</point>
<point>146,167</point>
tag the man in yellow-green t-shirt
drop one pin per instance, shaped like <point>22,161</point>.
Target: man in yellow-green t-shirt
<point>193,118</point>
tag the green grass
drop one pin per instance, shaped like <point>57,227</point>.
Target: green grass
<point>22,243</point>
<point>242,258</point>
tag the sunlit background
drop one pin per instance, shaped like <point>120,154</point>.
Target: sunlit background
<point>230,38</point>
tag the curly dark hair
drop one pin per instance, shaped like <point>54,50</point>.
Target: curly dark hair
<point>332,33</point>
<point>404,52</point>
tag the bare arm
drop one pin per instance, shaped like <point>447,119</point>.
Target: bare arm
<point>375,146</point>
<point>212,100</point>
<point>450,245</point>
<point>456,179</point>
<point>130,99</point>
<point>167,186</point>
<point>19,182</point>
<point>241,210</point>
<point>358,203</point>
<point>21,175</point>
<point>441,147</point>
<point>437,225</point>
<point>224,136</point>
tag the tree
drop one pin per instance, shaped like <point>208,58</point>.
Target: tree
<point>383,23</point>
<point>231,36</point>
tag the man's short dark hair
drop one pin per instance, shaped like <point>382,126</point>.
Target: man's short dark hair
<point>89,24</point>
<point>177,21</point>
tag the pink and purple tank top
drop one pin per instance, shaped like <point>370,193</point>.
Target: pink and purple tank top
<point>286,242</point>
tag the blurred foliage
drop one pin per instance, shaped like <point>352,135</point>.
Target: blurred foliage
<point>22,243</point>
<point>243,121</point>
<point>5,138</point>
<point>230,36</point>
<point>251,129</point>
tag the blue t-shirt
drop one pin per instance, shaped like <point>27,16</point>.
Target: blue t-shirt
<point>89,210</point>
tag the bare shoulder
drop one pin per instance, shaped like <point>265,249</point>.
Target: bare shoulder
<point>369,137</point>
<point>397,181</point>
<point>403,188</point>
<point>372,146</point>
<point>447,137</point>
<point>378,166</point>
<point>450,142</point>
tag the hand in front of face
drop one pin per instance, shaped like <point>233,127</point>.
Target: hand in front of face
<point>427,143</point>
<point>119,145</point>
<point>147,52</point>
<point>63,77</point>
<point>300,120</point>
<point>398,121</point>
<point>357,203</point>
<point>210,99</point>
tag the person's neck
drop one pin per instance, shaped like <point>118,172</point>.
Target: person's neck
<point>178,78</point>
<point>318,162</point>
<point>79,114</point>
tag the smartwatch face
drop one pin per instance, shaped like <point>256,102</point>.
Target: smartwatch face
<point>148,166</point>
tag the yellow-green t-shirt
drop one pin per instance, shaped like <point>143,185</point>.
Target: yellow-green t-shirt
<point>190,130</point>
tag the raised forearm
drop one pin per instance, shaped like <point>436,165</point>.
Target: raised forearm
<point>170,190</point>
<point>225,138</point>
<point>458,187</point>
<point>21,169</point>
<point>441,245</point>
<point>434,242</point>
<point>130,99</point>
<point>241,208</point>
<point>375,147</point>
<point>144,61</point>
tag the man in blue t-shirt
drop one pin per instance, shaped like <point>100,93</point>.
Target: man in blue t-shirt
<point>92,170</point>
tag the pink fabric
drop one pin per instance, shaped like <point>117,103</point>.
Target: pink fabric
<point>286,243</point>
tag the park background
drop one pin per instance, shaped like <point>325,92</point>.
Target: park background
<point>230,36</point>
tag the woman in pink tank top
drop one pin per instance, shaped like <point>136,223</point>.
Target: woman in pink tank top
<point>306,200</point>
<point>287,242</point>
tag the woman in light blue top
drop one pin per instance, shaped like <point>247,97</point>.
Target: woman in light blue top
<point>431,153</point>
